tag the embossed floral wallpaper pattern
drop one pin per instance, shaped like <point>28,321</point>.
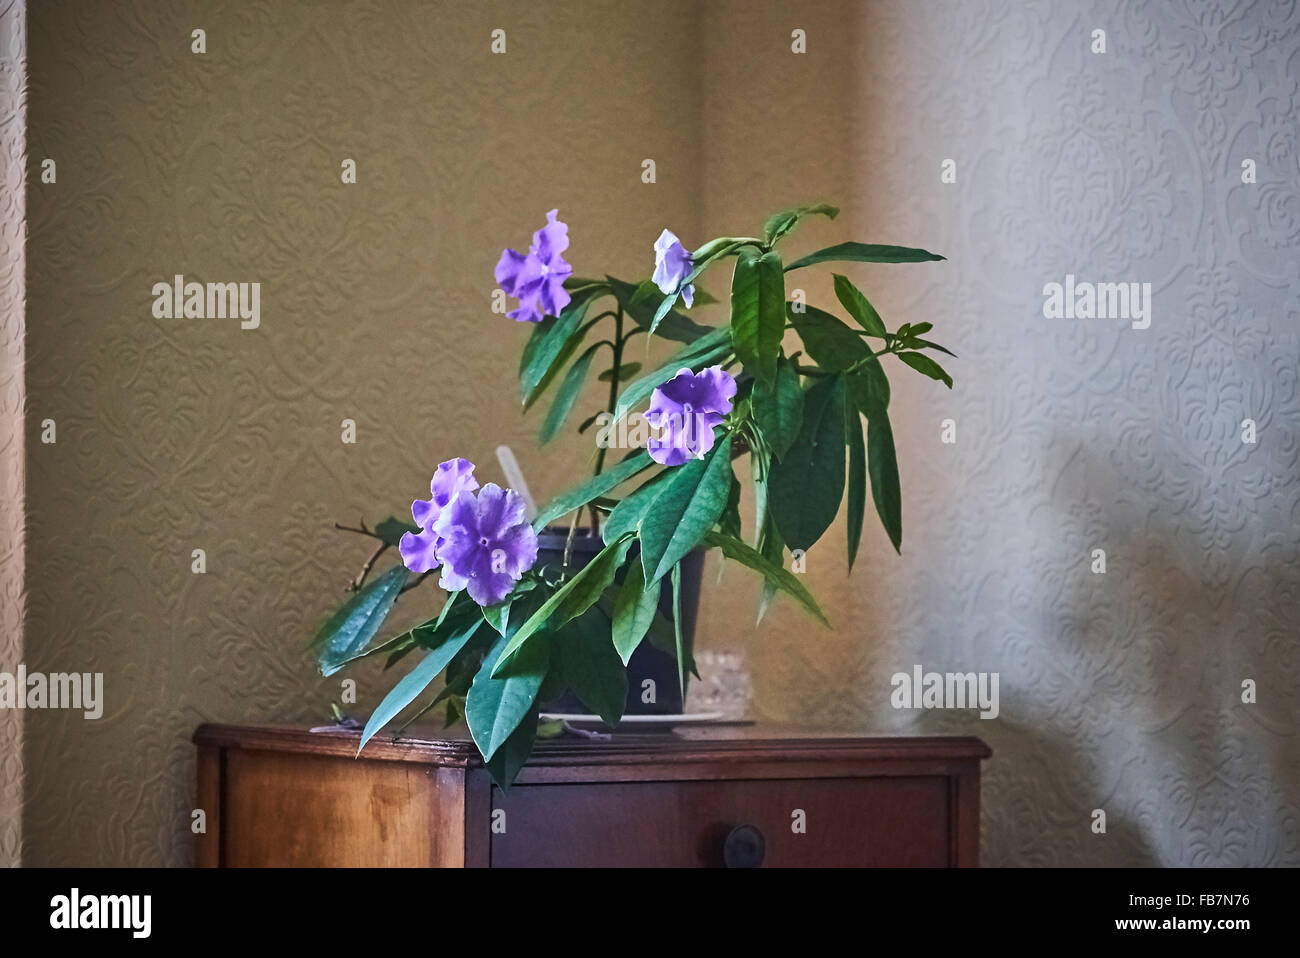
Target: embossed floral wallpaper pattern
<point>1119,691</point>
<point>13,32</point>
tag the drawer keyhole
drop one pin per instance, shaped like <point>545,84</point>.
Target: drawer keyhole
<point>744,847</point>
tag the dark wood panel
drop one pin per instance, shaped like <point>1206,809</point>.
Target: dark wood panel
<point>849,822</point>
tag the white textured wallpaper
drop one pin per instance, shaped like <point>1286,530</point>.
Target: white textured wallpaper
<point>1120,692</point>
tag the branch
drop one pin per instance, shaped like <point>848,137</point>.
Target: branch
<point>411,585</point>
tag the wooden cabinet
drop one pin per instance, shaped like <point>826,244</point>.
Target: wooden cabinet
<point>283,796</point>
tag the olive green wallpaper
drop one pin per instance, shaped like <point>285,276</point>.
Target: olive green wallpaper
<point>375,306</point>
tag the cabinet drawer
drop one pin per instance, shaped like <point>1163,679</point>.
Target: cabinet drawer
<point>885,821</point>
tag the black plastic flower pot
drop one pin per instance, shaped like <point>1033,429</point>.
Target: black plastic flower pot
<point>647,662</point>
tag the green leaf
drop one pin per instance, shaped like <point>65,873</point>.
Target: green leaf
<point>859,308</point>
<point>758,311</point>
<point>782,578</point>
<point>567,395</point>
<point>634,610</point>
<point>626,516</point>
<point>595,486</point>
<point>687,506</point>
<point>416,681</point>
<point>865,253</point>
<point>857,491</point>
<point>550,345</point>
<point>677,627</point>
<point>625,372</point>
<point>780,224</point>
<point>498,616</point>
<point>883,468</point>
<point>355,623</point>
<point>924,364</point>
<point>496,706</point>
<point>831,343</point>
<point>570,600</point>
<point>705,351</point>
<point>778,408</point>
<point>392,529</point>
<point>805,488</point>
<point>926,344</point>
<point>772,548</point>
<point>504,766</point>
<point>642,301</point>
<point>729,521</point>
<point>586,660</point>
<point>869,387</point>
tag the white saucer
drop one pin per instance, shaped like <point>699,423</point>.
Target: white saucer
<point>686,718</point>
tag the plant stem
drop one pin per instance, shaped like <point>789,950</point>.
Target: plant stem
<point>617,346</point>
<point>613,380</point>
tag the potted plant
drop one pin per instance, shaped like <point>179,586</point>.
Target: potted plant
<point>561,601</point>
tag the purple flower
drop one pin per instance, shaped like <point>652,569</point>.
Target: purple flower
<point>537,278</point>
<point>420,549</point>
<point>672,266</point>
<point>685,409</point>
<point>487,544</point>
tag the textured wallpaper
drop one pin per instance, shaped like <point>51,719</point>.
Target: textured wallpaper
<point>13,79</point>
<point>375,306</point>
<point>1121,691</point>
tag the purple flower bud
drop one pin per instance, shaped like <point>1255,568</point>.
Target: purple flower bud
<point>672,266</point>
<point>537,278</point>
<point>420,549</point>
<point>684,410</point>
<point>486,543</point>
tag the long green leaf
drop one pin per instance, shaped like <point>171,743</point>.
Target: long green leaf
<point>708,349</point>
<point>865,253</point>
<point>782,578</point>
<point>640,302</point>
<point>553,341</point>
<point>355,623</point>
<point>570,600</point>
<point>778,408</point>
<point>805,488</point>
<point>634,610</point>
<point>495,706</point>
<point>832,344</point>
<point>587,662</point>
<point>677,628</point>
<point>626,516</point>
<point>779,224</point>
<point>596,486</point>
<point>758,311</point>
<point>869,387</point>
<point>882,464</point>
<point>567,394</point>
<point>857,489</point>
<point>414,682</point>
<point>504,766</point>
<point>858,306</point>
<point>927,366</point>
<point>772,548</point>
<point>687,507</point>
